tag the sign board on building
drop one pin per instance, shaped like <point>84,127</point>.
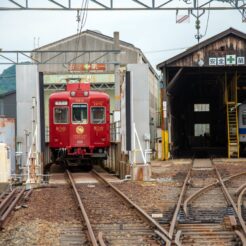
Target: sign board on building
<point>92,78</point>
<point>87,67</point>
<point>227,60</point>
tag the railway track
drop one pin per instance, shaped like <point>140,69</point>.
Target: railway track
<point>208,214</point>
<point>8,201</point>
<point>112,219</point>
<point>197,211</point>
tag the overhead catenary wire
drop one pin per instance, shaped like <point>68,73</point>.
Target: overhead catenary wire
<point>207,22</point>
<point>166,50</point>
<point>81,19</point>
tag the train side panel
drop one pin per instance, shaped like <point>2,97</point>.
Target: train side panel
<point>59,117</point>
<point>100,122</point>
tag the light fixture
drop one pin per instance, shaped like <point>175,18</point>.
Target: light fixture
<point>72,93</point>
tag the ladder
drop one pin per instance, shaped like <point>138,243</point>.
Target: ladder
<point>232,116</point>
<point>232,129</point>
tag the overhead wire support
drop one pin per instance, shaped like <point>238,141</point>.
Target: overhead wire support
<point>17,56</point>
<point>73,5</point>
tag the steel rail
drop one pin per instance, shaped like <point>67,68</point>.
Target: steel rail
<point>241,236</point>
<point>239,201</point>
<point>178,206</point>
<point>28,194</point>
<point>100,239</point>
<point>240,189</point>
<point>165,234</point>
<point>177,238</point>
<point>197,193</point>
<point>10,208</point>
<point>6,201</point>
<point>234,176</point>
<point>82,208</point>
<point>229,198</point>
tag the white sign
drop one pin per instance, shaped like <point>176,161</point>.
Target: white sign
<point>227,60</point>
<point>212,61</point>
<point>240,60</point>
<point>221,61</point>
<point>230,59</point>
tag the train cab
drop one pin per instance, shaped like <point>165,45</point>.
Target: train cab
<point>79,122</point>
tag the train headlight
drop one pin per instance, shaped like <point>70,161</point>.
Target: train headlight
<point>72,93</point>
<point>86,93</point>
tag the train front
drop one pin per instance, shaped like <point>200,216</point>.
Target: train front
<point>79,124</point>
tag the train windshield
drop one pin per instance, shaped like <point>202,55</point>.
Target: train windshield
<point>97,115</point>
<point>61,115</point>
<point>79,113</point>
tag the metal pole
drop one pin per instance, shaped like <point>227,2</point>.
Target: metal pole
<point>117,71</point>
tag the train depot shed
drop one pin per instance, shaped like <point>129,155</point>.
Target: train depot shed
<point>204,94</point>
<point>102,61</point>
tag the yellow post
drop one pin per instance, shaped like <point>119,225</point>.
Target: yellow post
<point>165,148</point>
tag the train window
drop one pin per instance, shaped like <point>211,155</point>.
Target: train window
<point>79,113</point>
<point>61,115</point>
<point>201,130</point>
<point>97,115</point>
<point>202,107</point>
<point>244,117</point>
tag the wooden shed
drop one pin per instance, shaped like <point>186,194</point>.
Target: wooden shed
<point>203,90</point>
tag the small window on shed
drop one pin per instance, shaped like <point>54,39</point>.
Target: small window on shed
<point>60,115</point>
<point>201,130</point>
<point>202,107</point>
<point>244,117</point>
<point>97,115</point>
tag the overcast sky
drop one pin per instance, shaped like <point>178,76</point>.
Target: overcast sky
<point>154,32</point>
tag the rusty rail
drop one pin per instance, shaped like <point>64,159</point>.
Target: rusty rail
<point>178,206</point>
<point>229,198</point>
<point>202,190</point>
<point>161,232</point>
<point>196,194</point>
<point>82,208</point>
<point>238,191</point>
<point>239,201</point>
<point>241,236</point>
<point>100,239</point>
<point>177,238</point>
<point>5,203</point>
<point>8,204</point>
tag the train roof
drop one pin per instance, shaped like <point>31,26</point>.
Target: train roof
<point>66,94</point>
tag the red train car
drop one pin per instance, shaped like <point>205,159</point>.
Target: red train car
<point>79,122</point>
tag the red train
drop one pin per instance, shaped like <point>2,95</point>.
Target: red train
<point>79,121</point>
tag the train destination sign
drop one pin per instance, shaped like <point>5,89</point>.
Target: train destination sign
<point>226,60</point>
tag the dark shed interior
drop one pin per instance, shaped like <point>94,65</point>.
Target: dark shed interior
<point>206,98</point>
<point>197,106</point>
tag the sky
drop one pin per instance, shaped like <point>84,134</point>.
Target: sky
<point>154,32</point>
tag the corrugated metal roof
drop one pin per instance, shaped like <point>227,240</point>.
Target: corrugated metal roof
<point>93,33</point>
<point>230,31</point>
